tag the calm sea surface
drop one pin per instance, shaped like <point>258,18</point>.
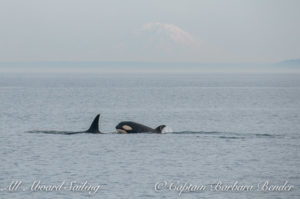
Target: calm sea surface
<point>227,128</point>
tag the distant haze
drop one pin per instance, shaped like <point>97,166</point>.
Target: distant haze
<point>288,66</point>
<point>260,31</point>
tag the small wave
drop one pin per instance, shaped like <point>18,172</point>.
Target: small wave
<point>217,134</point>
<point>53,132</point>
<point>167,129</point>
<point>264,135</point>
<point>229,135</point>
<point>197,132</point>
<point>66,132</point>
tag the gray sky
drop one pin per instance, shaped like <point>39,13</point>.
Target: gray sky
<point>144,30</point>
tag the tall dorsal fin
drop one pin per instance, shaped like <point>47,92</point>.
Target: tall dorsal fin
<point>94,128</point>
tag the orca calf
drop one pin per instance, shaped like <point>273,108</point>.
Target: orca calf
<point>94,128</point>
<point>133,127</point>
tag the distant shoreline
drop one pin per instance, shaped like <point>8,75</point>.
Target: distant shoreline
<point>147,67</point>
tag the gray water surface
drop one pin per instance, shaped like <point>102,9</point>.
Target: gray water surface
<point>227,128</point>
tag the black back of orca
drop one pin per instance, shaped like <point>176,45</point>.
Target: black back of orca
<point>133,127</point>
<point>94,128</point>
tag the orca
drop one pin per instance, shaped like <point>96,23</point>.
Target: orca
<point>94,129</point>
<point>133,127</point>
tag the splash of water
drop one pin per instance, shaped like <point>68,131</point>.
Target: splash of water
<point>167,129</point>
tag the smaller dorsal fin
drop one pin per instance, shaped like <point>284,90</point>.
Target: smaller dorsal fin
<point>160,128</point>
<point>94,128</point>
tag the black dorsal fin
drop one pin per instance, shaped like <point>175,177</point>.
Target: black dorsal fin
<point>94,128</point>
<point>160,128</point>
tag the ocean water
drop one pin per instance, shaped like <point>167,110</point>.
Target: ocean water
<point>227,128</point>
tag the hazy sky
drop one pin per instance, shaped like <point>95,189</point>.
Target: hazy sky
<point>149,30</point>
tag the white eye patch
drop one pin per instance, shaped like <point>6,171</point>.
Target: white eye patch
<point>127,128</point>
